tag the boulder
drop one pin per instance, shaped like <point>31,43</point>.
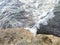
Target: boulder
<point>20,36</point>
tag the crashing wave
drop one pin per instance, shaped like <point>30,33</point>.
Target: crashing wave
<point>28,14</point>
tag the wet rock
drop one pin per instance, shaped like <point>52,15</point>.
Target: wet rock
<point>53,26</point>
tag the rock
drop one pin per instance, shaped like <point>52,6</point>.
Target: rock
<point>20,36</point>
<point>53,26</point>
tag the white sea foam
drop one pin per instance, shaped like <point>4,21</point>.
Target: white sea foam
<point>28,14</point>
<point>47,13</point>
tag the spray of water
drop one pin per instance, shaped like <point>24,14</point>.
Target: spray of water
<point>28,14</point>
<point>47,13</point>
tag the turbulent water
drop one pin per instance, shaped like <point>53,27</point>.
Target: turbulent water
<point>28,14</point>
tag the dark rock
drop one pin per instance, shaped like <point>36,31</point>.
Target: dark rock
<point>53,26</point>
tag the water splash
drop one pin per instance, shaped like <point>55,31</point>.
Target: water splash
<point>26,14</point>
<point>43,18</point>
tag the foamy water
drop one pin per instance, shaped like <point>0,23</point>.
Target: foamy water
<point>47,13</point>
<point>28,14</point>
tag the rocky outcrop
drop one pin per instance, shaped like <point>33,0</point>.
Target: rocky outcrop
<point>53,26</point>
<point>19,36</point>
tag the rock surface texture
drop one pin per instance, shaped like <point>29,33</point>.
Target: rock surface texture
<point>18,36</point>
